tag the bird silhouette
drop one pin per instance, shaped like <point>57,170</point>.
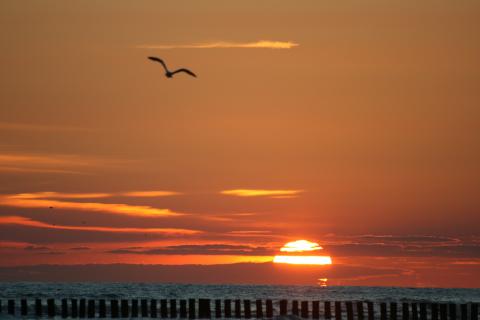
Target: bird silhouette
<point>168,73</point>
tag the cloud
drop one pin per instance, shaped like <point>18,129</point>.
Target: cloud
<point>36,248</point>
<point>147,194</point>
<point>262,44</point>
<point>38,200</point>
<point>206,249</point>
<point>22,221</point>
<point>262,193</point>
<point>81,248</point>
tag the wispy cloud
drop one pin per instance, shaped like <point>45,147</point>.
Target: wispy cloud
<point>41,200</point>
<point>205,249</point>
<point>262,193</point>
<point>262,44</point>
<point>22,221</point>
<point>148,194</point>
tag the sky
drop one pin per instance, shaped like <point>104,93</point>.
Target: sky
<point>352,124</point>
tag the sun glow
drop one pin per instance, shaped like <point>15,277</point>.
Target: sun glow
<point>295,254</point>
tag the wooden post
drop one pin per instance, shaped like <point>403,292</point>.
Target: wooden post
<point>393,311</point>
<point>114,308</point>
<point>383,311</point>
<point>218,308</point>
<point>74,303</point>
<point>153,308</point>
<point>227,305</point>
<point>191,308</point>
<point>434,307</point>
<point>414,311</point>
<point>64,308</point>
<point>173,308</point>
<point>144,308</point>
<point>349,306</point>
<point>295,310</point>
<point>338,310</point>
<point>163,308</point>
<point>283,307</point>
<point>82,309</point>
<point>463,311</point>
<point>11,307</point>
<point>370,310</point>
<point>316,309</point>
<point>134,308</point>
<point>423,311</point>
<point>269,309</point>
<point>443,311</point>
<point>360,314</point>
<point>38,307</point>
<point>102,308</point>
<point>405,311</point>
<point>238,310</point>
<point>204,308</point>
<point>474,311</point>
<point>304,311</point>
<point>183,309</point>
<point>328,310</point>
<point>91,308</point>
<point>259,309</point>
<point>0,306</point>
<point>23,307</point>
<point>246,309</point>
<point>124,308</point>
<point>51,308</point>
<point>452,311</point>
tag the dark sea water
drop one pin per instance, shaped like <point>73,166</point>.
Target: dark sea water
<point>32,290</point>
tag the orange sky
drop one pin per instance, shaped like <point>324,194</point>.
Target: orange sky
<point>351,124</point>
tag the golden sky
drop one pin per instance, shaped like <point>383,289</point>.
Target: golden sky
<point>353,124</point>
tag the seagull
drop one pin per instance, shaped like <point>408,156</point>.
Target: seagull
<point>168,73</point>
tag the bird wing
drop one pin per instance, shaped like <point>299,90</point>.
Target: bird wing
<point>159,60</point>
<point>186,71</point>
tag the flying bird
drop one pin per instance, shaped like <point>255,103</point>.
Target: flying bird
<point>168,73</point>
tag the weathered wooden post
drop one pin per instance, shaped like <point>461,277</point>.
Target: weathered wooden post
<point>295,310</point>
<point>38,307</point>
<point>316,309</point>
<point>91,308</point>
<point>11,306</point>
<point>283,307</point>
<point>163,308</point>
<point>463,311</point>
<point>383,311</point>
<point>414,311</point>
<point>247,309</point>
<point>269,309</point>
<point>191,308</point>
<point>443,311</point>
<point>114,308</point>
<point>183,309</point>
<point>370,310</point>
<point>227,305</point>
<point>423,311</point>
<point>405,311</point>
<point>218,308</point>
<point>328,310</point>
<point>452,311</point>
<point>74,303</point>
<point>393,311</point>
<point>238,310</point>
<point>23,307</point>
<point>304,310</point>
<point>1,306</point>
<point>144,308</point>
<point>434,310</point>
<point>259,309</point>
<point>134,308</point>
<point>153,308</point>
<point>82,310</point>
<point>360,314</point>
<point>124,308</point>
<point>474,311</point>
<point>349,306</point>
<point>102,308</point>
<point>204,308</point>
<point>51,308</point>
<point>173,308</point>
<point>338,310</point>
<point>64,308</point>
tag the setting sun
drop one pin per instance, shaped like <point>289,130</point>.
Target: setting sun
<point>297,248</point>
